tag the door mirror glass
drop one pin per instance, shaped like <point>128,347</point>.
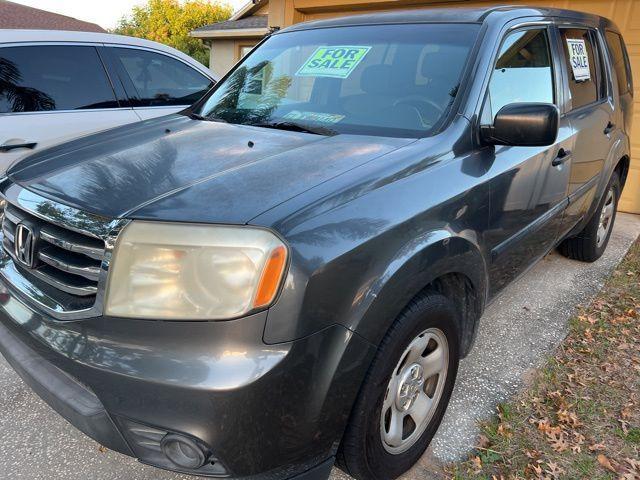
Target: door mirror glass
<point>524,125</point>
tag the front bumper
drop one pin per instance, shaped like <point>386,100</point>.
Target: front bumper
<point>257,410</point>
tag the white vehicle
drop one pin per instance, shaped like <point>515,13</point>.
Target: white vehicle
<point>57,85</point>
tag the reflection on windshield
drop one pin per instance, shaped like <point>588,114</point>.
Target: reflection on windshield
<point>258,80</point>
<point>391,80</point>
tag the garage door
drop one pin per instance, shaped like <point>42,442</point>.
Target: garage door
<point>625,13</point>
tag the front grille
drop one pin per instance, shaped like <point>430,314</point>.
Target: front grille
<point>66,264</point>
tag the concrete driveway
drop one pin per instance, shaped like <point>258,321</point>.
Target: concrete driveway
<point>517,332</point>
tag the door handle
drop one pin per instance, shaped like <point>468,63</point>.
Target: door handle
<point>562,156</point>
<point>14,146</point>
<point>609,128</point>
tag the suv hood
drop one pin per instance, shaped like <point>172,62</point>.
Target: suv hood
<point>176,168</point>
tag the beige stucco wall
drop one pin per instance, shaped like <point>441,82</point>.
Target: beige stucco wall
<point>222,56</point>
<point>225,53</point>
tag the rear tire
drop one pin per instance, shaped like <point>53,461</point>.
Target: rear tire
<point>402,401</point>
<point>592,241</point>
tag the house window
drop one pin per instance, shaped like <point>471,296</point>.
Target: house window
<point>244,50</point>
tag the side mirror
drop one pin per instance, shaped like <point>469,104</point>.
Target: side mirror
<point>523,125</point>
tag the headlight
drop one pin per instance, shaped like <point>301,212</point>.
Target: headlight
<point>193,272</point>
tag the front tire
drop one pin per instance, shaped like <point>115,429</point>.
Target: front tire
<point>592,241</point>
<point>405,393</point>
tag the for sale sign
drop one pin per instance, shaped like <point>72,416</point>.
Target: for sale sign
<point>335,61</point>
<point>579,59</point>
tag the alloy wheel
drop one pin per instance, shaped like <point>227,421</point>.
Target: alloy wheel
<point>414,391</point>
<point>606,216</point>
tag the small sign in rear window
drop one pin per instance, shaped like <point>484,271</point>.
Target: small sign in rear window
<point>337,61</point>
<point>579,59</point>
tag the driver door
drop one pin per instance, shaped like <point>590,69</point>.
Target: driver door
<point>528,190</point>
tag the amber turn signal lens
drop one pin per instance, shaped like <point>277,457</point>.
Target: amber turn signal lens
<point>271,276</point>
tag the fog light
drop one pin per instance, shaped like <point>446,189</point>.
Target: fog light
<point>183,451</point>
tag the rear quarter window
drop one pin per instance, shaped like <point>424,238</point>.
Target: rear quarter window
<point>620,61</point>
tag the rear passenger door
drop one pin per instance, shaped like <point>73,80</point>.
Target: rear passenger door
<point>589,109</point>
<point>53,93</point>
<point>158,84</point>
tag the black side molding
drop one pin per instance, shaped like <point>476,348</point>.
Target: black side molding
<point>532,227</point>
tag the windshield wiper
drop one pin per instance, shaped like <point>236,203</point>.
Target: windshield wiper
<point>197,116</point>
<point>194,116</point>
<point>296,127</point>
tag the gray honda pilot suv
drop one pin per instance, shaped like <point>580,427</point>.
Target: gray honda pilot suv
<point>286,274</point>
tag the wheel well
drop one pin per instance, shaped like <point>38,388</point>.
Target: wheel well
<point>623,169</point>
<point>456,287</point>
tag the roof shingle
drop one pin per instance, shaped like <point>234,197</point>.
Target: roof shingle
<point>253,21</point>
<point>15,15</point>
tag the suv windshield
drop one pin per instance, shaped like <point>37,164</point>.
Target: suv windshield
<point>388,80</point>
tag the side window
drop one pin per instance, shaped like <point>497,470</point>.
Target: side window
<point>160,80</point>
<point>585,77</point>
<point>52,77</point>
<point>523,72</point>
<point>620,61</point>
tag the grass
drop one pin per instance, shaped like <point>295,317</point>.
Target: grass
<point>580,417</point>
